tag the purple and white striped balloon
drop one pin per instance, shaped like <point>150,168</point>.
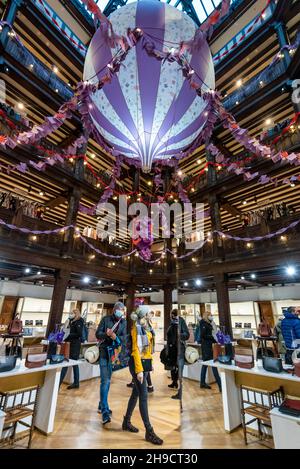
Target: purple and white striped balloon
<point>149,111</point>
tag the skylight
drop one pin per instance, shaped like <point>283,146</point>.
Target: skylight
<point>199,10</point>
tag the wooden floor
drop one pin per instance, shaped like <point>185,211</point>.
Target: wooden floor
<point>202,421</point>
<point>78,425</point>
<point>200,425</point>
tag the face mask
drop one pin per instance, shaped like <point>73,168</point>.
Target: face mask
<point>210,318</point>
<point>118,313</point>
<point>71,316</point>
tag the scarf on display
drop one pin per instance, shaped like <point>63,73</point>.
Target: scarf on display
<point>142,338</point>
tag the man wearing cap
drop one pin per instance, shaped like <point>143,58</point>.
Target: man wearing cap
<point>112,328</point>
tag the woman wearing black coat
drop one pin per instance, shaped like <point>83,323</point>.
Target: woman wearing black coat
<point>177,335</point>
<point>76,325</point>
<point>207,341</point>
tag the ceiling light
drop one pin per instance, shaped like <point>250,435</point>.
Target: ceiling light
<point>245,202</point>
<point>86,279</point>
<point>41,193</point>
<point>27,270</point>
<point>253,276</point>
<point>179,173</point>
<point>186,284</point>
<point>239,83</point>
<point>268,121</point>
<point>55,69</point>
<point>242,277</point>
<point>112,284</point>
<point>21,106</point>
<point>93,155</point>
<point>198,282</point>
<point>291,270</point>
<point>39,272</point>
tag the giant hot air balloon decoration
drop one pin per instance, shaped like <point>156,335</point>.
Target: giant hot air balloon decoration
<point>149,111</point>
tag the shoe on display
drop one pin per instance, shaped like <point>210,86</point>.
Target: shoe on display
<point>205,386</point>
<point>106,419</point>
<point>152,437</point>
<point>128,427</point>
<point>176,396</point>
<point>73,386</point>
<point>150,389</point>
<point>173,385</point>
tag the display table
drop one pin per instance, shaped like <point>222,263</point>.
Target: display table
<point>193,372</point>
<point>86,371</point>
<point>286,430</point>
<point>232,377</point>
<point>48,378</point>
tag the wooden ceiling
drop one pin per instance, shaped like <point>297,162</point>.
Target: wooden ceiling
<point>44,42</point>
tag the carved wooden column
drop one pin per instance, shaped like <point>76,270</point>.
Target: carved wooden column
<point>61,282</point>
<point>221,282</point>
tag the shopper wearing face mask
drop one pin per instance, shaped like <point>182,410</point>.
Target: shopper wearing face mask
<point>207,341</point>
<point>112,328</point>
<point>75,327</point>
<point>140,364</point>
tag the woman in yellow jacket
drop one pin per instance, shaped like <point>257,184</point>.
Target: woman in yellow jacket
<point>140,364</point>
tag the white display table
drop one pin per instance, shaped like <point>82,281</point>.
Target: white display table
<point>286,430</point>
<point>193,372</point>
<point>48,377</point>
<point>86,371</point>
<point>232,376</point>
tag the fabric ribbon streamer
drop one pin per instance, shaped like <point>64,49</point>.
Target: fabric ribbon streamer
<point>215,17</point>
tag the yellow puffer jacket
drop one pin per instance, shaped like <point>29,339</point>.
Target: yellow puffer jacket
<point>137,356</point>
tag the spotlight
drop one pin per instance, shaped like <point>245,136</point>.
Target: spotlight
<point>99,282</point>
<point>239,83</point>
<point>86,279</point>
<point>242,277</point>
<point>186,284</point>
<point>27,270</point>
<point>198,282</point>
<point>291,270</point>
<point>253,276</point>
<point>55,69</point>
<point>39,272</point>
<point>21,106</point>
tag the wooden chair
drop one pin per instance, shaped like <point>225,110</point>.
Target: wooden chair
<point>257,403</point>
<point>18,405</point>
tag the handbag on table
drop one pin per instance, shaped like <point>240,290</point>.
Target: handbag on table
<point>7,363</point>
<point>56,359</point>
<point>218,350</point>
<point>36,360</point>
<point>65,350</point>
<point>225,359</point>
<point>273,365</point>
<point>297,370</point>
<point>290,407</point>
<point>244,361</point>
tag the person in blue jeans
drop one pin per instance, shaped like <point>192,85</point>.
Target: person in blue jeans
<point>110,328</point>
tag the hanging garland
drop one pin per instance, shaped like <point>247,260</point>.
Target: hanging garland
<point>209,238</point>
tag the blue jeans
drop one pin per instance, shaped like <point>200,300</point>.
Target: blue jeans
<point>139,392</point>
<point>216,375</point>
<point>75,375</point>
<point>105,378</point>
